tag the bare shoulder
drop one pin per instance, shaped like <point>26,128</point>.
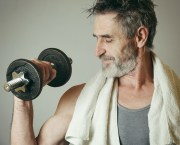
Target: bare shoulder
<point>68,100</point>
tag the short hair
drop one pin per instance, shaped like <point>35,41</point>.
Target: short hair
<point>131,14</point>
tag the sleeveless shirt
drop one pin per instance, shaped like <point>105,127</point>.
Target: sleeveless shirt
<point>133,126</point>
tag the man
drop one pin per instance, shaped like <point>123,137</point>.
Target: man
<point>146,92</point>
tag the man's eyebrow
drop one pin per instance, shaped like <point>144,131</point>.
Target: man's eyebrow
<point>94,35</point>
<point>104,36</point>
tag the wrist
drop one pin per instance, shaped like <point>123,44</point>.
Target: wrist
<point>21,104</point>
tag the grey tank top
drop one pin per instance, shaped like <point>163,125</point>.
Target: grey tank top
<point>133,126</point>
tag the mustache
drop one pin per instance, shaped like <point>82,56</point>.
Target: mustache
<point>106,57</point>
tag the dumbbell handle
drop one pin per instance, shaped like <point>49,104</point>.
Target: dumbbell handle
<point>17,82</point>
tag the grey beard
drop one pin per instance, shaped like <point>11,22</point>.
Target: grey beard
<point>119,68</point>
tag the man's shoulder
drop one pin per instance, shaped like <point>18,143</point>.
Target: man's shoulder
<point>75,90</point>
<point>68,100</point>
<point>171,73</point>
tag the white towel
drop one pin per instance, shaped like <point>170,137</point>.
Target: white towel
<point>164,114</point>
<point>94,120</point>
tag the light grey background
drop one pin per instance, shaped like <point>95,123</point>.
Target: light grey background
<point>29,26</point>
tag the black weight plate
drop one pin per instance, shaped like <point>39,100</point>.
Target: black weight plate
<point>34,87</point>
<point>62,65</point>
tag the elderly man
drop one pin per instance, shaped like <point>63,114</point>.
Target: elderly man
<point>134,100</point>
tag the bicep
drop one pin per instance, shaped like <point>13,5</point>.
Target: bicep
<point>53,131</point>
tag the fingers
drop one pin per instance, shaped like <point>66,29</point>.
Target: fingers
<point>47,71</point>
<point>50,71</point>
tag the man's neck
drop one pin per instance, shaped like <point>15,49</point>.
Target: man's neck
<point>142,74</point>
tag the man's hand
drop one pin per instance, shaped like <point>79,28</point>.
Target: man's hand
<point>46,69</point>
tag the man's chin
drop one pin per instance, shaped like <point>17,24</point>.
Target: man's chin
<point>117,71</point>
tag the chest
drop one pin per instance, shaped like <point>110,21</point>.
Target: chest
<point>135,99</point>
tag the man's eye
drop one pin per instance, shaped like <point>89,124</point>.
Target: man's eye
<point>108,40</point>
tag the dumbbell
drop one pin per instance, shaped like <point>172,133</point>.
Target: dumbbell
<point>24,78</point>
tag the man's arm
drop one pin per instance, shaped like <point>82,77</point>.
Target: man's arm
<point>53,131</point>
<point>22,123</point>
<point>22,132</point>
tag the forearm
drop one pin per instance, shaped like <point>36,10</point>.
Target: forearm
<point>22,123</point>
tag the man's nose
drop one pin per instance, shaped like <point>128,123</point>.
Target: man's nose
<point>100,48</point>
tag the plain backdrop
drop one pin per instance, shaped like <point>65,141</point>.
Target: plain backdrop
<point>29,26</point>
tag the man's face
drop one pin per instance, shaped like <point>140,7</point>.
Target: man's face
<point>118,54</point>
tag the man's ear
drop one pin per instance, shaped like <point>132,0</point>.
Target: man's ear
<point>141,36</point>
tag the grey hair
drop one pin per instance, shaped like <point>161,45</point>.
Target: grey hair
<point>131,14</point>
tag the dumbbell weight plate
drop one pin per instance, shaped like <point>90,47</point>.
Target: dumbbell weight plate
<point>61,63</point>
<point>34,87</point>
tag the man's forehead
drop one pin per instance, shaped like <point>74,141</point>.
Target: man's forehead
<point>106,24</point>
